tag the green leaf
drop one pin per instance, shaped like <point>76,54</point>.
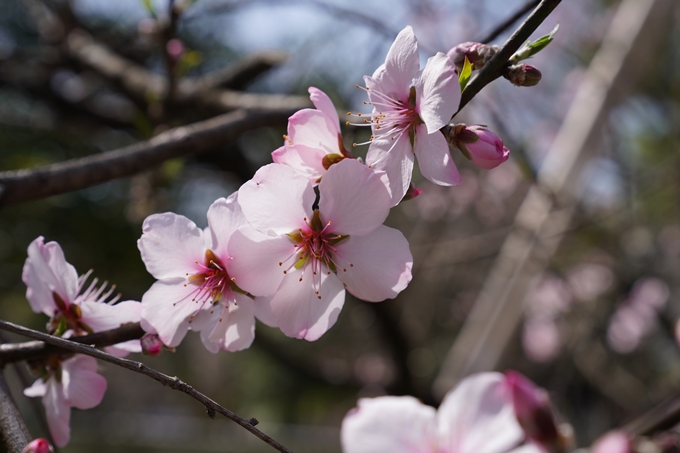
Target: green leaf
<point>530,49</point>
<point>465,74</point>
<point>148,5</point>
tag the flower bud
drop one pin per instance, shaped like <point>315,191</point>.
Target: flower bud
<point>39,445</point>
<point>614,442</point>
<point>412,192</point>
<point>151,344</point>
<point>522,75</point>
<point>532,409</point>
<point>483,147</point>
<point>477,53</point>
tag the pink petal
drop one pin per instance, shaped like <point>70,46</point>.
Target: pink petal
<point>299,311</point>
<point>531,448</point>
<point>58,413</point>
<point>434,158</point>
<point>305,160</point>
<point>401,65</point>
<point>390,424</point>
<point>381,261</point>
<point>479,405</point>
<point>232,328</point>
<point>46,271</point>
<point>354,198</point>
<point>166,307</point>
<point>125,348</point>
<point>437,92</point>
<point>101,316</point>
<point>83,387</point>
<point>395,158</point>
<point>314,129</point>
<point>323,103</point>
<point>170,245</point>
<point>256,258</point>
<point>263,311</point>
<point>277,199</point>
<point>39,388</point>
<point>224,217</point>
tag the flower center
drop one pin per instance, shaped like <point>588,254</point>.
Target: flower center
<point>315,251</point>
<point>211,284</point>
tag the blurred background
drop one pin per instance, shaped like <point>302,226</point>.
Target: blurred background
<point>589,313</point>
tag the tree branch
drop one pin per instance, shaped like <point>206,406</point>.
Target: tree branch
<point>240,73</point>
<point>14,433</point>
<point>494,68</point>
<point>169,381</point>
<point>30,184</point>
<point>507,23</point>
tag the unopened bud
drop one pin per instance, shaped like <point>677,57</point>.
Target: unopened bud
<point>532,409</point>
<point>476,52</point>
<point>39,445</point>
<point>330,159</point>
<point>614,442</point>
<point>522,75</point>
<point>412,192</point>
<point>151,344</point>
<point>478,144</point>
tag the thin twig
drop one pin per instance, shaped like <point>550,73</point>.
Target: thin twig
<point>169,381</point>
<point>33,350</point>
<point>494,68</point>
<point>31,184</point>
<point>13,430</point>
<point>507,23</point>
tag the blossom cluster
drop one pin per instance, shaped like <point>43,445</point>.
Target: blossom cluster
<point>286,247</point>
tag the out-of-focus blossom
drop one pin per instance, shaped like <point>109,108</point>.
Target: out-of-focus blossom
<point>314,141</point>
<point>54,288</point>
<point>39,445</point>
<point>409,108</point>
<point>477,143</point>
<point>477,53</point>
<point>477,416</point>
<point>636,317</point>
<point>614,442</point>
<point>541,339</point>
<point>588,281</point>
<point>533,411</point>
<point>305,257</point>
<point>71,383</point>
<point>194,280</point>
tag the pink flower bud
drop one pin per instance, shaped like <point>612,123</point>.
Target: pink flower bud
<point>39,445</point>
<point>532,409</point>
<point>476,52</point>
<point>522,75</point>
<point>151,344</point>
<point>412,192</point>
<point>483,147</point>
<point>614,442</point>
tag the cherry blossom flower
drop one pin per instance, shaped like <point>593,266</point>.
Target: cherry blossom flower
<point>39,445</point>
<point>195,287</point>
<point>409,108</point>
<point>303,258</point>
<point>54,288</point>
<point>71,383</point>
<point>314,141</point>
<point>476,417</point>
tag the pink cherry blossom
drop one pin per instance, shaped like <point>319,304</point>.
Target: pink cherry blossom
<point>314,141</point>
<point>614,442</point>
<point>39,445</point>
<point>476,417</point>
<point>409,108</point>
<point>303,258</point>
<point>195,286</point>
<point>71,383</point>
<point>482,146</point>
<point>54,288</point>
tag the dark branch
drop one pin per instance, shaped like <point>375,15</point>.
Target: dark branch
<point>494,68</point>
<point>32,350</point>
<point>240,73</point>
<point>169,381</point>
<point>31,184</point>
<point>503,26</point>
<point>14,433</point>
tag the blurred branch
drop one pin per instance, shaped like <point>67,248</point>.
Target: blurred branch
<point>507,23</point>
<point>30,184</point>
<point>494,68</point>
<point>32,350</point>
<point>168,34</point>
<point>173,382</point>
<point>660,418</point>
<point>238,74</point>
<point>14,433</point>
